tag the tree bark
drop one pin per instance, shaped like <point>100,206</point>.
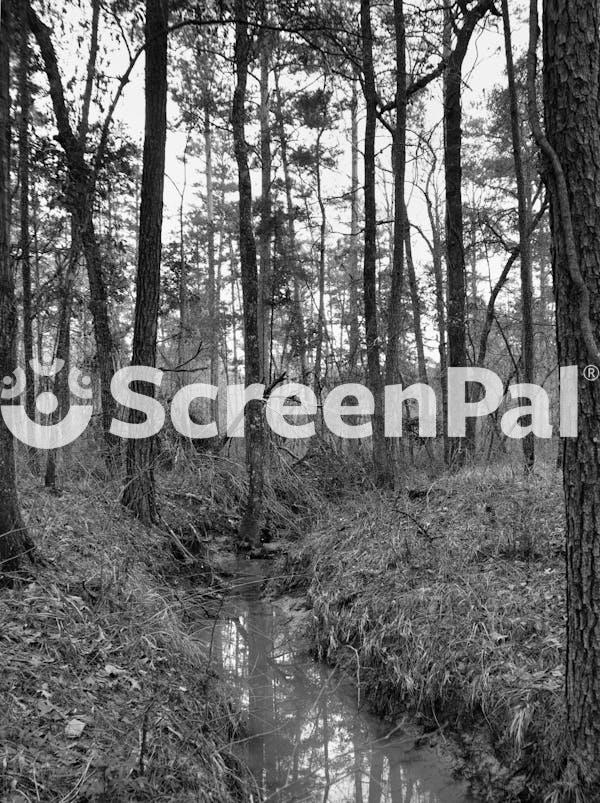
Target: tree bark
<point>382,468</point>
<point>264,232</point>
<point>572,153</point>
<point>353,328</point>
<point>139,494</point>
<point>299,331</point>
<point>14,540</point>
<point>249,532</point>
<point>80,199</point>
<point>415,301</point>
<point>455,251</point>
<point>24,169</point>
<point>63,347</point>
<point>399,167</point>
<point>527,343</point>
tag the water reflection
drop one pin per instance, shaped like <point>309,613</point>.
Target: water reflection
<point>305,738</point>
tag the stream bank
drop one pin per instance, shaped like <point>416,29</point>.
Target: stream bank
<point>447,604</point>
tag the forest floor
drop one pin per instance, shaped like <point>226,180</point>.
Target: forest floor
<point>443,600</point>
<point>447,601</point>
<point>106,694</point>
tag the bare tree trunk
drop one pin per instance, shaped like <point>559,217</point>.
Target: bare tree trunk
<point>63,347</point>
<point>382,468</point>
<point>249,533</point>
<point>415,303</point>
<point>299,332</point>
<point>264,233</point>
<point>399,167</point>
<point>210,236</point>
<point>527,350</point>
<point>183,278</point>
<point>440,307</point>
<point>318,386</point>
<point>571,150</point>
<point>14,540</point>
<point>80,198</point>
<point>139,494</point>
<point>457,355</point>
<point>24,168</point>
<point>354,332</point>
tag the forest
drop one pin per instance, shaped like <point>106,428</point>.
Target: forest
<point>299,416</point>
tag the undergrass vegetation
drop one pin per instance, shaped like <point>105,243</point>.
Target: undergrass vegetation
<point>106,694</point>
<point>447,600</point>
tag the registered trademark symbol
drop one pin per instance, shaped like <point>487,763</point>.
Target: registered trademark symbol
<point>591,372</point>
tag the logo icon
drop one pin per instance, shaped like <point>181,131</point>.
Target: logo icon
<point>46,436</point>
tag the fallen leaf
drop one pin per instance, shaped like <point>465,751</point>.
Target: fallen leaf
<point>74,728</point>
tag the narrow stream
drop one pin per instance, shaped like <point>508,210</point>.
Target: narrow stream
<point>307,739</point>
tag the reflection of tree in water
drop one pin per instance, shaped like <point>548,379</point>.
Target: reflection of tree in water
<point>305,740</point>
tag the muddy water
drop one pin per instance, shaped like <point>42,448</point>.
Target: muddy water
<point>308,738</point>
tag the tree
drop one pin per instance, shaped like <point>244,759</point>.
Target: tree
<point>139,492</point>
<point>455,249</point>
<point>80,193</point>
<point>571,149</point>
<point>381,465</point>
<point>14,540</point>
<point>525,250</point>
<point>25,232</point>
<point>249,532</point>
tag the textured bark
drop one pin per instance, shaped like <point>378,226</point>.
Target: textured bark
<point>572,150</point>
<point>440,306</point>
<point>415,302</point>
<point>139,494</point>
<point>62,350</point>
<point>399,166</point>
<point>299,330</point>
<point>210,236</point>
<point>249,533</point>
<point>455,252</point>
<point>25,233</point>
<point>527,344</point>
<point>321,324</point>
<point>80,199</point>
<point>382,468</point>
<point>14,541</point>
<point>265,281</point>
<point>353,328</point>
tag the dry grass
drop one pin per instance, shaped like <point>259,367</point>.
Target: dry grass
<point>105,694</point>
<point>450,604</point>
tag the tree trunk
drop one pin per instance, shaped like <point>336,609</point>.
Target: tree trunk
<point>317,379</point>
<point>415,303</point>
<point>210,237</point>
<point>572,152</point>
<point>249,533</point>
<point>299,332</point>
<point>382,469</point>
<point>80,200</point>
<point>24,168</point>
<point>264,233</point>
<point>527,352</point>
<point>353,329</point>
<point>14,541</point>
<point>62,350</point>
<point>399,167</point>
<point>440,307</point>
<point>139,493</point>
<point>457,355</point>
